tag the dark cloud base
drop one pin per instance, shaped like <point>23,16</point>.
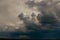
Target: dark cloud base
<point>37,34</point>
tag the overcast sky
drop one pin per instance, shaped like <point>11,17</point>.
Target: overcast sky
<point>9,10</point>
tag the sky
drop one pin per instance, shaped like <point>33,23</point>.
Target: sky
<point>10,9</point>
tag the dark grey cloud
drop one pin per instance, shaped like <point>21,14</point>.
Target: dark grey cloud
<point>47,9</point>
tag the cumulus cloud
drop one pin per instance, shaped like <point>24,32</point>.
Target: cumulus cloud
<point>46,8</point>
<point>11,15</point>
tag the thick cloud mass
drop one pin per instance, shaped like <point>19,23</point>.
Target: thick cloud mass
<point>44,23</point>
<point>9,10</point>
